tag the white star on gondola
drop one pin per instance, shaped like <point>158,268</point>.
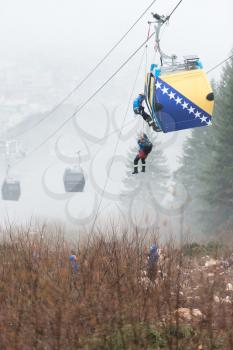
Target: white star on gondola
<point>185,105</point>
<point>158,85</point>
<point>172,95</point>
<point>191,110</point>
<point>165,90</point>
<point>209,123</point>
<point>197,114</point>
<point>178,100</point>
<point>203,119</point>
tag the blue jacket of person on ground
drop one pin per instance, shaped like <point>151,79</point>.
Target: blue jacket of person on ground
<point>153,255</point>
<point>74,262</point>
<point>137,104</point>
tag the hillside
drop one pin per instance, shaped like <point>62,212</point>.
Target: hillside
<point>110,303</point>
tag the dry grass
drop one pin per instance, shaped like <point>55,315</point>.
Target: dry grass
<point>110,303</point>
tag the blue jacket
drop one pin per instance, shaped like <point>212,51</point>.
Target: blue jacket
<point>153,259</point>
<point>137,103</point>
<point>74,263</point>
<point>143,144</point>
<point>153,255</point>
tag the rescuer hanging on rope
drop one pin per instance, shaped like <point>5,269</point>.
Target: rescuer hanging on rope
<point>139,109</point>
<point>145,147</point>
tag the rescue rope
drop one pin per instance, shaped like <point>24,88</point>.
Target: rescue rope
<point>79,108</point>
<point>132,121</point>
<point>146,65</point>
<point>118,139</point>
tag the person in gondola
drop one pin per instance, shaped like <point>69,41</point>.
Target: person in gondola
<point>140,110</point>
<point>145,147</point>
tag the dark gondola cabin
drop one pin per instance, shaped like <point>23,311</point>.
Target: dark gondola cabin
<point>11,190</point>
<point>74,180</point>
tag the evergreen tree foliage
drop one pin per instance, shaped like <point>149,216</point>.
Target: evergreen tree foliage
<point>196,155</point>
<point>207,162</point>
<point>219,172</point>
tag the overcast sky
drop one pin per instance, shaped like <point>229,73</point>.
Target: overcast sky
<point>91,27</point>
<point>81,32</point>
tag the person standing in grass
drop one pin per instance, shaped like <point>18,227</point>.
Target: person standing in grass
<point>152,262</point>
<point>74,262</point>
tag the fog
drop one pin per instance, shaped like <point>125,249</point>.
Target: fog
<point>47,47</point>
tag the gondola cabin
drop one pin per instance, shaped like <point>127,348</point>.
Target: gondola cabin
<point>11,190</point>
<point>179,97</point>
<point>74,180</point>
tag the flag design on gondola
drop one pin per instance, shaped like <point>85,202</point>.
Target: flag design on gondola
<point>178,111</point>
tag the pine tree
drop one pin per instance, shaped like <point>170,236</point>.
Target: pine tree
<point>218,177</point>
<point>196,154</point>
<point>207,163</point>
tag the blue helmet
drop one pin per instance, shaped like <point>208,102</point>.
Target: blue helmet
<point>72,258</point>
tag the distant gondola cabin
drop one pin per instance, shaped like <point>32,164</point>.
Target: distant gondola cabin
<point>11,190</point>
<point>74,180</point>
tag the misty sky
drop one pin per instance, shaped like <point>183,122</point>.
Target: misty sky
<point>76,34</point>
<point>82,31</point>
<point>87,28</point>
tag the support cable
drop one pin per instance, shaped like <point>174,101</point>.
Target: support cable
<point>80,108</point>
<point>175,8</point>
<point>92,71</point>
<point>219,64</point>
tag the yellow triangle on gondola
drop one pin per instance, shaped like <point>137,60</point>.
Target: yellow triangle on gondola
<point>194,85</point>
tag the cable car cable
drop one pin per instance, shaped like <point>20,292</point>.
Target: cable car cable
<point>57,130</point>
<point>175,8</point>
<point>106,82</point>
<point>104,189</point>
<point>79,108</point>
<point>92,71</point>
<point>132,121</point>
<point>219,64</point>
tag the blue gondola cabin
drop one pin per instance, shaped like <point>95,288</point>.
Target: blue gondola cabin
<point>185,96</point>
